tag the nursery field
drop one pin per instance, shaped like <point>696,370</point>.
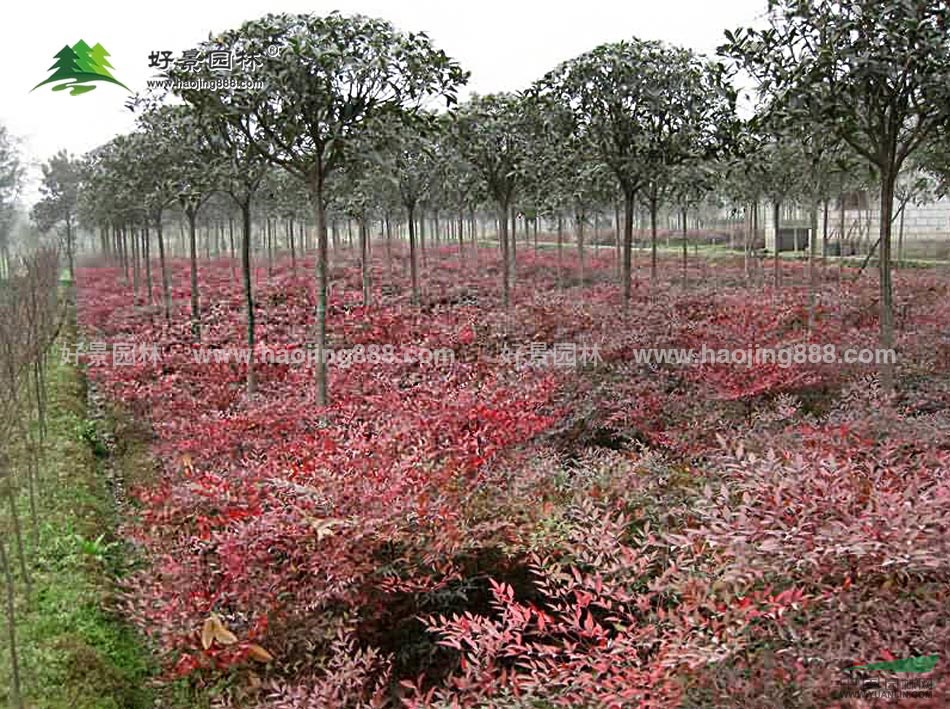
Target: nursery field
<point>601,371</point>
<point>554,515</point>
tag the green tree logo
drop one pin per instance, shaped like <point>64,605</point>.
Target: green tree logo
<point>77,67</point>
<point>909,664</point>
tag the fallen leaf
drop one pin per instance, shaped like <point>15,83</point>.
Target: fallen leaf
<point>258,653</point>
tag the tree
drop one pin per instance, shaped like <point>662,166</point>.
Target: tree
<point>155,181</point>
<point>411,153</point>
<point>872,73</point>
<point>691,123</point>
<point>321,80</point>
<point>195,174</point>
<point>242,172</point>
<point>11,173</point>
<point>490,132</point>
<point>568,176</point>
<point>640,105</point>
<point>60,192</point>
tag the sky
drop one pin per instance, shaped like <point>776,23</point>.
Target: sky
<point>505,46</point>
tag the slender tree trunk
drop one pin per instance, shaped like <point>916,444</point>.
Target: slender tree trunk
<point>293,247</point>
<point>560,248</point>
<point>16,692</point>
<point>38,390</point>
<point>18,534</point>
<point>389,246</point>
<point>843,226</point>
<point>900,239</point>
<point>824,233</point>
<point>812,273</point>
<point>422,238</point>
<point>269,236</point>
<point>163,265</point>
<point>579,219</point>
<point>628,206</point>
<point>413,266</point>
<point>747,242</point>
<point>147,254</point>
<point>887,306</point>
<point>364,260</point>
<point>685,214</point>
<point>617,239</point>
<point>505,263</point>
<point>248,291</point>
<point>654,207</point>
<point>69,250</point>
<point>191,213</point>
<point>513,247</point>
<point>130,231</point>
<point>319,208</point>
<point>776,220</point>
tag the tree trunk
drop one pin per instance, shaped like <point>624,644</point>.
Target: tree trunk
<point>887,306</point>
<point>166,286</point>
<point>293,247</point>
<point>319,208</point>
<point>842,226</point>
<point>685,250</point>
<point>513,247</point>
<point>18,534</point>
<point>505,263</point>
<point>628,206</point>
<point>130,232</point>
<point>193,247</point>
<point>422,237</point>
<point>812,253</point>
<point>248,291</point>
<point>69,250</point>
<point>617,238</point>
<point>364,260</point>
<point>776,220</point>
<point>389,246</point>
<point>654,207</point>
<point>269,236</point>
<point>560,246</point>
<point>824,234</point>
<point>747,244</point>
<point>900,240</point>
<point>413,266</point>
<point>16,697</point>
<point>579,218</point>
<point>147,257</point>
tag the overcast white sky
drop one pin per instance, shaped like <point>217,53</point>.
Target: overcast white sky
<point>505,45</point>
